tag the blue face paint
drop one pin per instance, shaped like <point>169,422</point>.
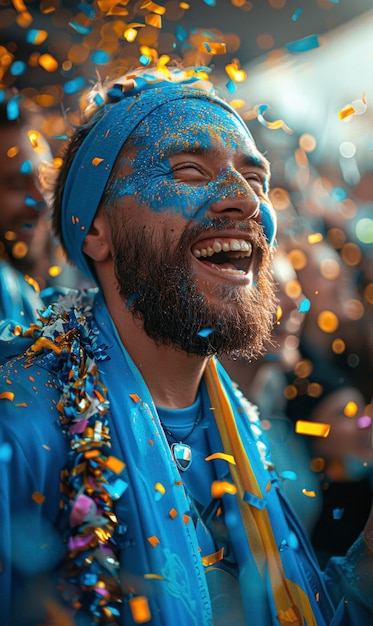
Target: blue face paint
<point>185,129</point>
<point>95,159</point>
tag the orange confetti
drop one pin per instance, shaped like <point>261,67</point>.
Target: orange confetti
<point>186,518</point>
<point>220,487</point>
<point>213,47</point>
<point>96,161</point>
<point>235,72</point>
<point>140,609</point>
<point>346,112</point>
<point>152,6</point>
<point>115,464</point>
<point>21,404</point>
<point>211,559</point>
<point>38,497</point>
<point>153,20</point>
<point>309,494</point>
<point>223,456</point>
<point>48,63</point>
<point>268,486</point>
<point>7,395</point>
<point>315,429</point>
<point>135,397</point>
<point>154,541</point>
<point>173,513</point>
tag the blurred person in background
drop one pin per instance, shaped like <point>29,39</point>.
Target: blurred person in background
<point>23,224</point>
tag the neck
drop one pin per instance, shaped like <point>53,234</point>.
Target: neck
<point>171,375</point>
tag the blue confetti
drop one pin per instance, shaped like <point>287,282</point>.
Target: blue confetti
<point>72,86</point>
<point>12,108</point>
<point>87,9</point>
<point>210,3</point>
<point>339,194</point>
<point>304,306</point>
<point>304,44</point>
<point>82,30</point>
<point>205,332</point>
<point>144,60</point>
<point>98,99</point>
<point>338,513</point>
<point>17,68</point>
<point>100,57</point>
<point>296,14</point>
<point>30,201</point>
<point>26,167</point>
<point>32,35</point>
<point>180,33</point>
<point>231,86</point>
<point>289,475</point>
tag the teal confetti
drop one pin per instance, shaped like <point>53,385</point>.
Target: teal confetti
<point>289,475</point>
<point>87,9</point>
<point>100,57</point>
<point>304,44</point>
<point>231,86</point>
<point>98,99</point>
<point>72,86</point>
<point>210,3</point>
<point>205,332</point>
<point>32,35</point>
<point>296,14</point>
<point>304,306</point>
<point>144,60</point>
<point>30,201</point>
<point>82,30</point>
<point>12,108</point>
<point>181,33</point>
<point>26,167</point>
<point>207,46</point>
<point>17,68</point>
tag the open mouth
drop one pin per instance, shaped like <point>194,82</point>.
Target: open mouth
<point>227,254</point>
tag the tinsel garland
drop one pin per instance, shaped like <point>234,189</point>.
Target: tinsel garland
<point>91,481</point>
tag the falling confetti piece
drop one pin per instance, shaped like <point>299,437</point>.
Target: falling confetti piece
<point>212,559</point>
<point>38,497</point>
<point>173,513</point>
<point>79,28</point>
<point>214,47</point>
<point>100,57</point>
<point>223,456</point>
<point>17,68</point>
<point>338,513</point>
<point>48,62</point>
<point>309,494</point>
<point>304,44</point>
<point>315,429</point>
<point>134,397</point>
<point>96,161</point>
<point>304,306</point>
<point>220,487</point>
<point>160,489</point>
<point>139,609</point>
<point>289,475</point>
<point>277,124</point>
<point>296,14</point>
<point>154,7</point>
<point>72,86</point>
<point>205,332</point>
<point>36,37</point>
<point>115,464</point>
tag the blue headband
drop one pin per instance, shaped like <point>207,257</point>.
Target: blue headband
<point>94,161</point>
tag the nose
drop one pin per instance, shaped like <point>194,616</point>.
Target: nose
<point>239,201</point>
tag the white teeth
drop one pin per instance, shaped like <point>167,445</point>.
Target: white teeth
<point>231,245</point>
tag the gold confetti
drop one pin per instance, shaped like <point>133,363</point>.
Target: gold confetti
<point>212,559</point>
<point>48,62</point>
<point>153,20</point>
<point>152,6</point>
<point>223,456</point>
<point>160,488</point>
<point>315,429</point>
<point>309,494</point>
<point>235,72</point>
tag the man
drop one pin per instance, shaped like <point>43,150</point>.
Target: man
<point>23,229</point>
<point>137,484</point>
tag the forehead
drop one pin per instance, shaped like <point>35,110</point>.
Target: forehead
<point>194,123</point>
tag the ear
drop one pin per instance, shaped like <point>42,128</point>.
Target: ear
<point>97,244</point>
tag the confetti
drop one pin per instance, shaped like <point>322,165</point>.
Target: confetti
<point>96,161</point>
<point>212,559</point>
<point>221,455</point>
<point>309,494</point>
<point>5,452</point>
<point>271,125</point>
<point>296,14</point>
<point>303,45</point>
<point>153,540</point>
<point>304,306</point>
<point>205,332</point>
<point>220,487</point>
<point>7,395</point>
<point>338,513</point>
<point>172,513</point>
<point>315,429</point>
<point>289,475</point>
<point>347,111</point>
<point>79,28</point>
<point>38,497</point>
<point>36,36</point>
<point>140,609</point>
<point>17,68</point>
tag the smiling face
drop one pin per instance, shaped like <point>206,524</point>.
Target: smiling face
<point>185,206</point>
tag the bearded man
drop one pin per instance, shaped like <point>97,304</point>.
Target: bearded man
<point>138,485</point>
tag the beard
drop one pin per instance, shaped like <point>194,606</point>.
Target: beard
<point>159,287</point>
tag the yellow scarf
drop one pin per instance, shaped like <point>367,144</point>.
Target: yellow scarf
<point>291,602</point>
